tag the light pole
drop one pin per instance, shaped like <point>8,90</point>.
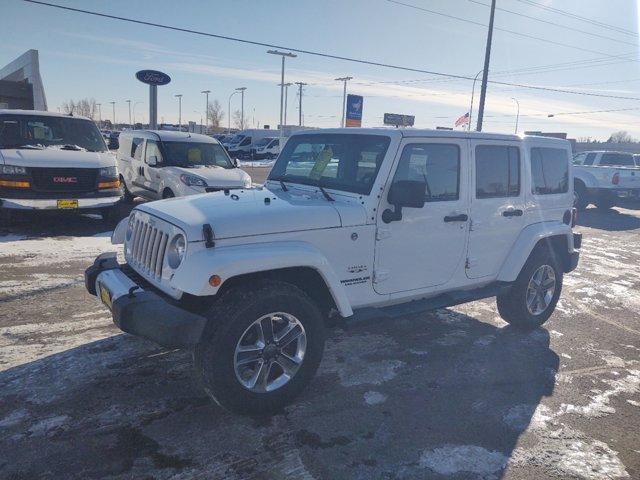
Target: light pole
<point>300,85</point>
<point>517,112</point>
<point>473,91</point>
<point>283,55</point>
<point>206,109</point>
<point>344,96</point>
<point>179,97</point>
<point>286,97</point>
<point>129,102</point>
<point>485,73</point>
<point>134,110</point>
<point>113,104</point>
<point>241,90</point>
<point>99,105</point>
<point>229,112</point>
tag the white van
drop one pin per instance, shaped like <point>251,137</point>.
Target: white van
<point>241,144</point>
<point>51,161</point>
<point>157,164</point>
<point>266,148</point>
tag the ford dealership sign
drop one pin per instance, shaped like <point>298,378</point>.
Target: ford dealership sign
<point>153,77</point>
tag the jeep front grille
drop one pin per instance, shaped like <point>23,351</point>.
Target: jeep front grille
<point>148,247</point>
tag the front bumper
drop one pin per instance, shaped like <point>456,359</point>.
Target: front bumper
<point>52,204</point>
<point>141,312</point>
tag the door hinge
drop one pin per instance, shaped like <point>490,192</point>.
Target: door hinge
<point>383,233</point>
<point>380,275</point>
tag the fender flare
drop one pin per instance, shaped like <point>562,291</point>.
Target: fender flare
<point>585,177</point>
<point>526,242</point>
<point>232,261</point>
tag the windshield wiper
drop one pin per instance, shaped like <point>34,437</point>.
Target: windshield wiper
<point>326,195</point>
<point>280,180</point>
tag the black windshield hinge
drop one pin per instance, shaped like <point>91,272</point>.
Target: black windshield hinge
<point>207,232</point>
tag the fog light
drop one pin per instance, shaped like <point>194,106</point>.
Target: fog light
<point>215,281</point>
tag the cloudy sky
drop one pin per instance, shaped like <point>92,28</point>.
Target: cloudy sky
<point>536,42</point>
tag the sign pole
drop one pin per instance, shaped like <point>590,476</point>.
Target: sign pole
<point>153,107</point>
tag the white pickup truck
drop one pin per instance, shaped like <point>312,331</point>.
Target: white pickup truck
<point>604,178</point>
<point>350,222</point>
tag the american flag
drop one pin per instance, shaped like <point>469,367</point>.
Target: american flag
<point>463,120</point>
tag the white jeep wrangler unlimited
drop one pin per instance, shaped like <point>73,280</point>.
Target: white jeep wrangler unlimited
<point>349,222</point>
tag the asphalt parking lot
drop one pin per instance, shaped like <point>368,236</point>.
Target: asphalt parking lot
<point>453,393</point>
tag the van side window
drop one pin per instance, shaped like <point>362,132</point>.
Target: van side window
<point>153,150</point>
<point>136,148</point>
<point>497,171</point>
<point>549,171</point>
<point>437,164</point>
<point>246,141</point>
<point>578,158</point>
<point>590,159</point>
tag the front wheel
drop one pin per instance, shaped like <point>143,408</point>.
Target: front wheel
<point>110,215</point>
<point>532,298</point>
<point>261,347</point>
<point>605,203</point>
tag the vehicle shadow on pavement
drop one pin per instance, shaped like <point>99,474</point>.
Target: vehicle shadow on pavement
<point>611,220</point>
<point>425,396</point>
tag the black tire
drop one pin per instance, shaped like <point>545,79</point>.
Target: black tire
<point>128,196</point>
<point>110,215</point>
<point>512,305</point>
<point>229,318</point>
<point>6,217</point>
<point>581,197</point>
<point>168,193</point>
<point>605,203</point>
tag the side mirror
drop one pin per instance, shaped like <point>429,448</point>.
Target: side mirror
<point>152,161</point>
<point>404,193</point>
<point>235,162</point>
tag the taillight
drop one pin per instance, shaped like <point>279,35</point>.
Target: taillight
<point>615,179</point>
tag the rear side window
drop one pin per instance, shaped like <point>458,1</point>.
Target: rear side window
<point>590,159</point>
<point>617,160</point>
<point>549,171</point>
<point>136,148</point>
<point>434,163</point>
<point>497,171</point>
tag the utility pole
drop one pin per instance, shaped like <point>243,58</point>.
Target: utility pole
<point>300,85</point>
<point>344,96</point>
<point>286,96</point>
<point>113,104</point>
<point>517,112</point>
<point>134,110</point>
<point>129,102</point>
<point>241,90</point>
<point>283,55</point>
<point>179,97</point>
<point>206,110</point>
<point>485,73</point>
<point>473,91</point>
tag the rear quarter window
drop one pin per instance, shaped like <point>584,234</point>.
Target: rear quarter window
<point>549,171</point>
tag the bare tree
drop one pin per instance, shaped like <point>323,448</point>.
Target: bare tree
<point>237,119</point>
<point>215,115</point>
<point>621,137</point>
<point>85,107</point>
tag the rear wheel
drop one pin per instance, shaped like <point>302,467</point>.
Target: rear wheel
<point>533,297</point>
<point>605,203</point>
<point>261,348</point>
<point>580,196</point>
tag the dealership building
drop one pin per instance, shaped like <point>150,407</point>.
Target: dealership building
<point>21,85</point>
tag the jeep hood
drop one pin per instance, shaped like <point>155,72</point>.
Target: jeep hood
<point>214,176</point>
<point>51,157</point>
<point>251,212</point>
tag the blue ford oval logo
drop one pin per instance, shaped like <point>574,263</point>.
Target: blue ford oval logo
<point>153,77</point>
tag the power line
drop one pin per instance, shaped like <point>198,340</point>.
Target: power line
<point>321,54</point>
<point>556,24</point>
<point>580,18</point>
<point>480,24</point>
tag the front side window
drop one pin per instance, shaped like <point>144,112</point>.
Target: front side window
<point>40,132</point>
<point>578,159</point>
<point>348,162</point>
<point>549,171</point>
<point>137,144</point>
<point>617,160</point>
<point>497,171</point>
<point>591,157</point>
<point>436,164</point>
<point>245,142</point>
<point>263,142</point>
<point>153,150</point>
<point>192,154</point>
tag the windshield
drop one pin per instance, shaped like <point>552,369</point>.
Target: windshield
<point>263,142</point>
<point>191,154</point>
<point>34,131</point>
<point>348,162</point>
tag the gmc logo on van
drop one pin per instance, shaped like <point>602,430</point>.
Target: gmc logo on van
<point>65,179</point>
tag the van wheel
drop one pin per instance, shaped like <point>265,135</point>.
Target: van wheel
<point>260,348</point>
<point>533,297</point>
<point>128,196</point>
<point>580,196</point>
<point>110,215</point>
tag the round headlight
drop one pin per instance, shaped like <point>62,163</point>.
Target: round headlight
<point>176,250</point>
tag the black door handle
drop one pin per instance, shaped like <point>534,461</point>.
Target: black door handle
<point>512,213</point>
<point>463,217</point>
